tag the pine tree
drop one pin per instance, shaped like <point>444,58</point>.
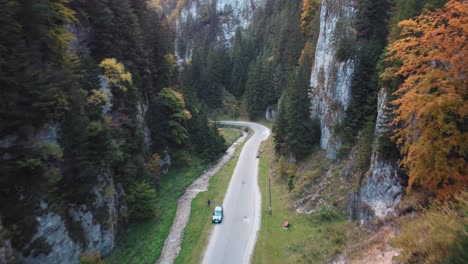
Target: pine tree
<point>279,127</point>
<point>239,66</point>
<point>212,80</point>
<point>302,132</point>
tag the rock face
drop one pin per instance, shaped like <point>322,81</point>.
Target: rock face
<point>51,231</point>
<point>381,192</point>
<point>236,13</point>
<point>331,78</point>
<point>330,93</point>
<point>231,14</point>
<point>6,250</point>
<point>99,234</point>
<point>270,113</point>
<point>97,226</point>
<point>92,227</point>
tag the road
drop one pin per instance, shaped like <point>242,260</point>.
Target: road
<point>233,240</point>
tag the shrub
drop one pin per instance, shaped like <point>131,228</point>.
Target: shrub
<point>329,214</point>
<point>437,234</point>
<point>91,258</point>
<point>142,201</point>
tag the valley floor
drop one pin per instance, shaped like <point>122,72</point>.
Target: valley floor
<point>143,242</point>
<point>172,246</point>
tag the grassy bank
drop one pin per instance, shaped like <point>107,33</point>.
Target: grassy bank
<point>199,226</point>
<point>230,134</point>
<point>143,242</point>
<point>312,238</point>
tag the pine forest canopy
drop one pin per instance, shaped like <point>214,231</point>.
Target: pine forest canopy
<point>99,80</point>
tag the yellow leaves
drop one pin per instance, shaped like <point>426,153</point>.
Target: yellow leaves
<point>153,5</point>
<point>187,114</point>
<point>431,108</point>
<point>309,11</point>
<point>97,97</point>
<point>115,74</point>
<point>65,13</point>
<point>154,164</point>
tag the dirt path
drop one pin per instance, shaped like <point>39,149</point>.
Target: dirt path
<point>174,239</point>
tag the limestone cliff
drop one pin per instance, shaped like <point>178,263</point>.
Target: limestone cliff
<point>331,80</point>
<point>331,76</point>
<point>230,14</point>
<point>382,189</point>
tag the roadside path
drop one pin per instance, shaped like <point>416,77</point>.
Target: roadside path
<point>174,239</point>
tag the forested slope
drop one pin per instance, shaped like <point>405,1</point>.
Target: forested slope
<point>92,114</point>
<point>100,98</point>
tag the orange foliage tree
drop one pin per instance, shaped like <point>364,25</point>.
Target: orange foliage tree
<point>310,8</point>
<point>431,109</point>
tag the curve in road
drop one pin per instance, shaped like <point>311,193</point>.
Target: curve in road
<point>233,241</point>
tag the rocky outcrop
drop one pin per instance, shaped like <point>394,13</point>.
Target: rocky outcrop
<point>331,76</point>
<point>95,224</point>
<point>6,250</point>
<point>99,232</point>
<point>330,93</point>
<point>231,14</point>
<point>235,13</point>
<point>270,113</point>
<point>92,227</point>
<point>51,243</point>
<point>142,110</point>
<point>165,161</point>
<point>381,191</point>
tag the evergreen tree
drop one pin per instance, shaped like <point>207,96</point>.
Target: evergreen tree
<point>279,127</point>
<point>372,31</point>
<point>212,80</point>
<point>238,75</point>
<point>254,87</point>
<point>302,132</point>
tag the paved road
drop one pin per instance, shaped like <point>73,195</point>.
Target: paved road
<point>233,241</point>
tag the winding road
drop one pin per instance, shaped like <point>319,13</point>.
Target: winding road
<point>234,239</point>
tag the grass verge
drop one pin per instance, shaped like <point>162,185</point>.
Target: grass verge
<point>312,238</point>
<point>143,242</point>
<point>197,231</point>
<point>230,134</point>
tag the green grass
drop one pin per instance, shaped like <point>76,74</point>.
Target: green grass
<point>143,242</point>
<point>197,231</point>
<point>230,134</point>
<point>313,238</point>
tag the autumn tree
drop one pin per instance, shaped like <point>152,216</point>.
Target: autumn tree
<point>154,166</point>
<point>118,79</point>
<point>310,8</point>
<point>431,110</point>
<point>176,115</point>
